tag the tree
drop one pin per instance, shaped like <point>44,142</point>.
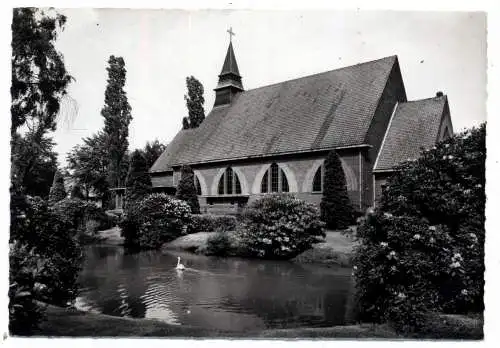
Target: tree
<point>152,151</point>
<point>194,102</point>
<point>138,182</point>
<point>45,259</point>
<point>117,117</point>
<point>38,180</point>
<point>88,164</point>
<point>336,209</point>
<point>39,81</point>
<point>186,190</point>
<point>57,191</point>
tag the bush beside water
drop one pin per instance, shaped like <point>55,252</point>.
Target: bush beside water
<point>211,223</point>
<point>154,220</point>
<point>422,250</point>
<point>279,226</point>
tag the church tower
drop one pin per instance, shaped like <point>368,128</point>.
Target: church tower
<point>229,78</point>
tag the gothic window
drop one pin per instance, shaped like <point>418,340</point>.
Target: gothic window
<point>229,183</point>
<point>318,180</point>
<point>274,180</point>
<point>197,185</point>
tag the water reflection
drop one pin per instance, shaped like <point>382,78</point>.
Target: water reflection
<point>228,294</point>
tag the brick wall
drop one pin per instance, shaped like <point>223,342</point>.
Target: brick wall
<point>299,170</point>
<point>394,92</point>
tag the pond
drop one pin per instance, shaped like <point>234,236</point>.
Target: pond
<point>216,293</point>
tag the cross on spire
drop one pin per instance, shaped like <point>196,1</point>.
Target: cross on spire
<point>231,34</point>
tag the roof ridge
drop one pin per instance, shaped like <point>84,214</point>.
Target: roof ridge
<point>425,99</point>
<point>324,72</point>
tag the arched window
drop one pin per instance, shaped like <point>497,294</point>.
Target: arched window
<point>229,183</point>
<point>197,185</point>
<point>318,180</point>
<point>274,180</point>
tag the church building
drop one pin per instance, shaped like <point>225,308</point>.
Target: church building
<point>275,138</point>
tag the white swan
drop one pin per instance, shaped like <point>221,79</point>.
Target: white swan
<point>179,266</point>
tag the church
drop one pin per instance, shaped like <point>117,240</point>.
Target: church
<point>275,138</point>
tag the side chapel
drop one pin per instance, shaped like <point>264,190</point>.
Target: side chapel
<point>275,138</point>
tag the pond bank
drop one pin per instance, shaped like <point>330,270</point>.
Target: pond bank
<point>69,322</point>
<point>335,250</point>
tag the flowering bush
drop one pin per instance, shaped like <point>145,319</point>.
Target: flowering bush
<point>211,223</point>
<point>423,248</point>
<point>280,226</point>
<point>154,220</point>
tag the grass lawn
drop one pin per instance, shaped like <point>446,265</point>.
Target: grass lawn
<point>67,322</point>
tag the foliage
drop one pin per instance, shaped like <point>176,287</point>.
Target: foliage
<point>152,151</point>
<point>24,312</point>
<point>154,220</point>
<point>117,117</point>
<point>40,169</point>
<point>219,244</point>
<point>40,229</point>
<point>84,218</point>
<point>44,259</point>
<point>88,164</point>
<point>280,226</point>
<point>39,78</point>
<point>194,102</point>
<point>76,192</point>
<point>423,248</point>
<point>186,190</point>
<point>336,209</point>
<point>39,81</point>
<point>138,182</point>
<point>57,191</point>
<point>211,223</point>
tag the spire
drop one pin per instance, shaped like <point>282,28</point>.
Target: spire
<point>229,78</point>
<point>230,66</point>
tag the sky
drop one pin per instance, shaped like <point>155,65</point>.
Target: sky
<point>437,51</point>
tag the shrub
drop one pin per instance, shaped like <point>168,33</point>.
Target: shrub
<point>44,234</point>
<point>154,220</point>
<point>219,244</point>
<point>211,223</point>
<point>57,191</point>
<point>81,215</point>
<point>336,209</point>
<point>280,226</point>
<point>186,190</point>
<point>423,248</point>
<point>24,312</point>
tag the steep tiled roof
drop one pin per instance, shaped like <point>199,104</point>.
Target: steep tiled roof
<point>414,125</point>
<point>326,110</point>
